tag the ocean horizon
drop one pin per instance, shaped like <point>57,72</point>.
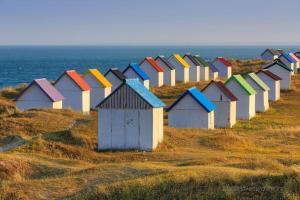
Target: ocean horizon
<point>22,64</point>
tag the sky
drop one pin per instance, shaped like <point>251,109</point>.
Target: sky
<point>151,22</point>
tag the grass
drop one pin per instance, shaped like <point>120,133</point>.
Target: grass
<point>256,159</point>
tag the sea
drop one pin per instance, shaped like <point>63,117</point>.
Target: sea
<point>22,64</point>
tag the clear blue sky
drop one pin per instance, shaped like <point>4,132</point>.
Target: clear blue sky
<point>121,22</point>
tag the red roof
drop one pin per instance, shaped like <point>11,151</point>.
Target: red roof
<point>154,64</point>
<point>80,82</point>
<point>223,88</point>
<point>224,61</point>
<point>270,74</point>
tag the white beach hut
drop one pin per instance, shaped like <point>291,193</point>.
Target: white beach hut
<point>130,118</point>
<point>288,61</point>
<point>272,81</point>
<point>133,71</point>
<point>204,68</point>
<point>194,67</point>
<point>282,71</point>
<point>192,110</point>
<point>75,90</point>
<point>223,66</point>
<point>115,77</point>
<point>262,92</point>
<point>296,62</point>
<point>213,71</point>
<point>182,68</point>
<point>225,101</point>
<point>245,94</point>
<point>270,54</point>
<point>154,71</point>
<point>39,94</point>
<point>100,86</point>
<point>169,70</point>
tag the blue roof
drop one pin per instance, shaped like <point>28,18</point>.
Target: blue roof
<point>144,93</point>
<point>137,70</point>
<point>288,57</point>
<point>199,97</point>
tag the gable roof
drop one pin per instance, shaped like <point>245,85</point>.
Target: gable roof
<point>76,78</point>
<point>279,63</point>
<point>287,57</point>
<point>270,74</point>
<point>294,57</point>
<point>192,59</point>
<point>138,71</point>
<point>258,81</point>
<point>212,67</point>
<point>153,63</point>
<point>141,91</point>
<point>99,77</point>
<point>223,89</point>
<point>280,51</point>
<point>47,88</point>
<point>224,61</point>
<point>117,73</point>
<point>181,61</point>
<point>243,83</point>
<point>165,61</point>
<point>201,61</point>
<point>201,99</point>
<point>272,51</point>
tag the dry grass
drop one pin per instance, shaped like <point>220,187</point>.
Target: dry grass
<point>257,159</point>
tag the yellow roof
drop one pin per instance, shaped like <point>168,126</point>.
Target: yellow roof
<point>99,77</point>
<point>180,59</point>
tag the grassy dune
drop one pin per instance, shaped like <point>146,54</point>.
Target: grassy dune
<point>257,159</point>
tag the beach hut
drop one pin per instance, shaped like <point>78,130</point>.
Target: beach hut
<point>297,62</point>
<point>223,66</point>
<point>182,68</point>
<point>75,90</point>
<point>282,71</point>
<point>115,77</point>
<point>213,71</point>
<point>192,110</point>
<point>134,71</point>
<point>245,94</point>
<point>270,54</point>
<point>288,61</point>
<point>39,94</point>
<point>272,81</point>
<point>100,86</point>
<point>194,67</point>
<point>204,68</point>
<point>169,70</point>
<point>154,71</point>
<point>262,92</point>
<point>225,101</point>
<point>280,51</point>
<point>297,54</point>
<point>130,118</point>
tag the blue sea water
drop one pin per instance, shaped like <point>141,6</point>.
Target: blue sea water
<point>22,64</point>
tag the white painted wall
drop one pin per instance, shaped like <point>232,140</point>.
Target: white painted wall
<point>156,78</point>
<point>245,103</point>
<point>274,92</point>
<point>204,73</point>
<point>125,129</point>
<point>73,95</point>
<point>169,75</point>
<point>213,75</point>
<point>224,71</point>
<point>285,83</point>
<point>189,114</point>
<point>182,74</point>
<point>194,70</point>
<point>130,73</point>
<point>34,97</point>
<point>98,92</point>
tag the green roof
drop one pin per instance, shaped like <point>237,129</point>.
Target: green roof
<point>201,60</point>
<point>243,83</point>
<point>258,81</point>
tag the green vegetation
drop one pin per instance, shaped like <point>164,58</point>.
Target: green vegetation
<point>257,159</point>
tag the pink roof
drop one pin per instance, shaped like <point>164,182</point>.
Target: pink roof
<point>224,61</point>
<point>294,57</point>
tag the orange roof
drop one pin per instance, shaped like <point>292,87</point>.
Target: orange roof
<point>154,64</point>
<point>99,77</point>
<point>80,82</point>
